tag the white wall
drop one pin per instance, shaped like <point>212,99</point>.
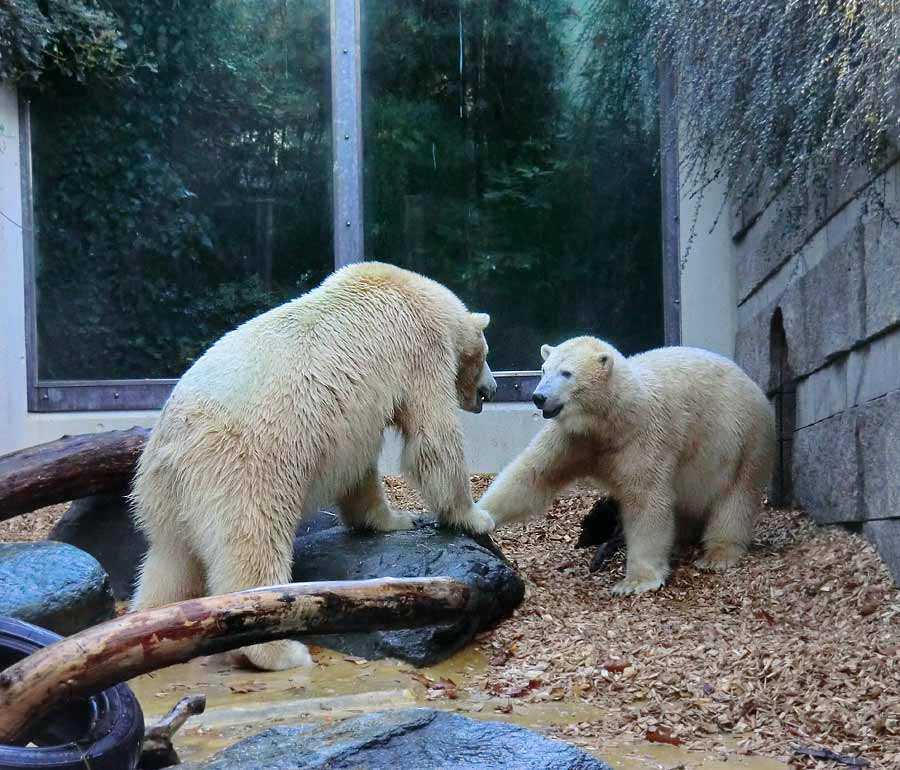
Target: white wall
<point>708,280</point>
<point>493,438</point>
<point>12,299</point>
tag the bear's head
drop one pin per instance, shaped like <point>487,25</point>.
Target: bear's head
<point>575,380</point>
<point>475,383</point>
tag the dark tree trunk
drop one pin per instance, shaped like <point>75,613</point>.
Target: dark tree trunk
<point>68,469</point>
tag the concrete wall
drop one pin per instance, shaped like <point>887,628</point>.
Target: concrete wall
<point>708,276</point>
<point>830,261</point>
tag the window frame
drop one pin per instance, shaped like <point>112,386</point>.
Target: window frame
<point>348,234</point>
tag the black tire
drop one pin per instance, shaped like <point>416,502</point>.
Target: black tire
<point>103,732</point>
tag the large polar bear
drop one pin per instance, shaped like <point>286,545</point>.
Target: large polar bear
<point>671,431</point>
<point>287,412</point>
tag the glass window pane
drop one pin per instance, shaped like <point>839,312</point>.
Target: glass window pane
<point>175,203</point>
<point>497,162</point>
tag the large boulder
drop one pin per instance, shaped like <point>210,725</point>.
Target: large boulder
<point>53,585</point>
<point>426,551</point>
<point>409,739</point>
<point>326,550</point>
<point>102,526</point>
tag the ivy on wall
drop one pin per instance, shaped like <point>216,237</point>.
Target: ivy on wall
<point>72,38</point>
<point>786,91</point>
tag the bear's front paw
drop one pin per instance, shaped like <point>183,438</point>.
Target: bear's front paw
<point>278,656</point>
<point>719,557</point>
<point>397,520</point>
<point>639,582</point>
<point>476,521</point>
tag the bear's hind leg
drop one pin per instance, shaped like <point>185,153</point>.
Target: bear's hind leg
<point>364,506</point>
<point>255,554</point>
<point>170,573</point>
<point>729,531</point>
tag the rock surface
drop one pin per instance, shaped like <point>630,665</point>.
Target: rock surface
<point>413,739</point>
<point>101,526</point>
<point>340,554</point>
<point>53,585</point>
<point>326,550</point>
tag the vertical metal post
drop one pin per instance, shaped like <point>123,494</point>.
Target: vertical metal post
<point>29,247</point>
<point>671,222</point>
<point>346,122</point>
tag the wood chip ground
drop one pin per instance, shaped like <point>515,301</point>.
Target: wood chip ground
<point>799,645</point>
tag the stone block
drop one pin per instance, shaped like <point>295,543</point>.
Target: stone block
<point>874,370</point>
<point>821,395</point>
<point>825,470</point>
<point>878,447</point>
<point>885,535</point>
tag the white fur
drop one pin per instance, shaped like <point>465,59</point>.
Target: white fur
<point>287,412</point>
<point>671,430</point>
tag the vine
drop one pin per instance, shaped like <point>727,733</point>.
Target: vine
<point>778,92</point>
<point>70,38</point>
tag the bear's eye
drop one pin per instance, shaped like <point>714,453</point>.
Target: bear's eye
<point>565,373</point>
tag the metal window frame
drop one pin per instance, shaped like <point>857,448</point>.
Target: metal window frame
<point>349,236</point>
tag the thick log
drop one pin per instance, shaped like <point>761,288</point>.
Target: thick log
<point>67,469</point>
<point>134,644</point>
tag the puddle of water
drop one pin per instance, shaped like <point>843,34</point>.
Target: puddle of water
<point>241,702</point>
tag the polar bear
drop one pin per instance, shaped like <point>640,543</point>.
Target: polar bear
<point>287,412</point>
<point>671,430</point>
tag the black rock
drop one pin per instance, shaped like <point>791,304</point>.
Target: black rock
<point>102,526</point>
<point>326,550</point>
<point>408,739</point>
<point>53,585</point>
<point>341,554</point>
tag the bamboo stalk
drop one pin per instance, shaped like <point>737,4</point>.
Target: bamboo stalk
<point>134,644</point>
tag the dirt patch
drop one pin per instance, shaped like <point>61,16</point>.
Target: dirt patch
<point>31,527</point>
<point>799,645</point>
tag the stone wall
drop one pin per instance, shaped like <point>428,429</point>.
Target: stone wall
<point>818,326</point>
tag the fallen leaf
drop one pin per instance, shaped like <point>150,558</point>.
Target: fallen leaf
<point>663,735</point>
<point>245,687</point>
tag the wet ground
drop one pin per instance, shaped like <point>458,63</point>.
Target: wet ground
<point>242,702</point>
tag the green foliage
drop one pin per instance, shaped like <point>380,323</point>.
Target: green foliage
<point>522,176</point>
<point>179,202</point>
<point>781,91</point>
<point>71,38</point>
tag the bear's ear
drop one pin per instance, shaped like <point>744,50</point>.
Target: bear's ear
<point>546,351</point>
<point>481,320</point>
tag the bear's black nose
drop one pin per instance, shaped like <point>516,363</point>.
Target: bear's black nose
<point>539,400</point>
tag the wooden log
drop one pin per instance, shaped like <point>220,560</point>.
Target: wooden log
<point>158,750</point>
<point>67,469</point>
<point>134,644</point>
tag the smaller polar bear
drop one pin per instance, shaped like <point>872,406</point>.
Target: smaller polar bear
<point>671,430</point>
<point>287,412</point>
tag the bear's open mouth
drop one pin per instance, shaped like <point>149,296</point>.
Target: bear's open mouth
<point>549,414</point>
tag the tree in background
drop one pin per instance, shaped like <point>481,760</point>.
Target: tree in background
<point>189,188</point>
<point>509,155</point>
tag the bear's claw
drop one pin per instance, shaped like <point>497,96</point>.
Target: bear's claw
<point>638,585</point>
<point>477,522</point>
<point>398,520</point>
